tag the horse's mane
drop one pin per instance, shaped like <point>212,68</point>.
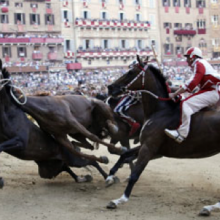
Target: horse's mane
<point>5,73</point>
<point>157,73</point>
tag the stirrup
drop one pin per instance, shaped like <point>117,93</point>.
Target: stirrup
<point>179,139</point>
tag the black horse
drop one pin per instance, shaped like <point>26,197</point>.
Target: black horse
<point>21,138</point>
<point>160,113</point>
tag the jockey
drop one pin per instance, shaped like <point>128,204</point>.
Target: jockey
<point>123,105</point>
<point>207,80</point>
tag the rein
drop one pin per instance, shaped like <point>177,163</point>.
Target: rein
<point>4,82</point>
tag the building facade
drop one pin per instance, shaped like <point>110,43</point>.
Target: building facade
<point>30,32</point>
<point>104,33</point>
<point>189,28</point>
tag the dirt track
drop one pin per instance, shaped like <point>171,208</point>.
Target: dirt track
<point>168,189</point>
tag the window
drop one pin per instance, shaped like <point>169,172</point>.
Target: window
<point>4,19</point>
<point>19,18</point>
<point>201,24</point>
<point>34,19</point>
<point>139,44</point>
<point>167,25</point>
<point>215,20</point>
<point>121,16</point>
<point>49,19</point>
<point>6,51</point>
<point>176,3</point>
<point>202,43</point>
<point>214,1</point>
<point>166,3</point>
<point>104,15</point>
<point>48,5</point>
<point>4,3</point>
<point>67,45</point>
<point>138,17</point>
<point>34,5</point>
<point>123,44</point>
<point>187,3</point>
<point>105,44</point>
<point>200,3</point>
<point>18,5</point>
<point>87,44</point>
<point>85,14</point>
<point>22,52</point>
<point>177,26</point>
<point>188,26</point>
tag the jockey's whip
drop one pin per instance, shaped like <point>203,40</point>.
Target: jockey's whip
<point>155,56</point>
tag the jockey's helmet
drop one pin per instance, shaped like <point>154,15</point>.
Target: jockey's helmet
<point>192,52</point>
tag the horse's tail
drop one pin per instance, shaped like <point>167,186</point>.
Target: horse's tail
<point>104,111</point>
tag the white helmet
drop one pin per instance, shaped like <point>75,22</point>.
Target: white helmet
<point>193,51</point>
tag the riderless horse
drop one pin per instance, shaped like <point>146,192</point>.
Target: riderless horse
<point>21,138</point>
<point>160,113</point>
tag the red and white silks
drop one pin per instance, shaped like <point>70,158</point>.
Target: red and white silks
<point>208,80</point>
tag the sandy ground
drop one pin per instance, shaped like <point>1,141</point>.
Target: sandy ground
<point>169,189</point>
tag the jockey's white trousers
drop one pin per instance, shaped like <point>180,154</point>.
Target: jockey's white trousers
<point>193,104</point>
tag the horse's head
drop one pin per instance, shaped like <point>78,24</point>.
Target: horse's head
<point>132,80</point>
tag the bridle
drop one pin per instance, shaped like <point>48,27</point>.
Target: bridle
<point>4,82</point>
<point>142,73</point>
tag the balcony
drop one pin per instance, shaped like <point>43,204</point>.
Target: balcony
<point>36,55</point>
<point>74,66</point>
<point>13,40</point>
<point>116,54</point>
<point>202,31</point>
<point>112,24</point>
<point>185,32</point>
<point>52,56</point>
<point>49,11</point>
<point>4,9</point>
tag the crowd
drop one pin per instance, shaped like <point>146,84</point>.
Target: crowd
<point>87,82</point>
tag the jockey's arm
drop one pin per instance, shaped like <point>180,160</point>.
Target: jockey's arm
<point>176,93</point>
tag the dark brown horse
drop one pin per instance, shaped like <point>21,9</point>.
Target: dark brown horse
<point>203,140</point>
<point>72,115</point>
<point>21,138</point>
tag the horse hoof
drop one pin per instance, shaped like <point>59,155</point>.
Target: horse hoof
<point>88,178</point>
<point>1,183</point>
<point>84,179</point>
<point>111,205</point>
<point>104,159</point>
<point>204,212</point>
<point>112,180</point>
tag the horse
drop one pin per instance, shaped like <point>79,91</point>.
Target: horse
<point>21,138</point>
<point>73,115</point>
<point>160,113</point>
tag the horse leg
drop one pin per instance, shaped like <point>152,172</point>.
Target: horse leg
<point>80,162</point>
<point>67,144</point>
<point>1,183</point>
<point>78,179</point>
<point>128,154</point>
<point>206,211</point>
<point>144,157</point>
<point>105,111</point>
<point>11,144</point>
<point>81,129</point>
<point>82,141</point>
